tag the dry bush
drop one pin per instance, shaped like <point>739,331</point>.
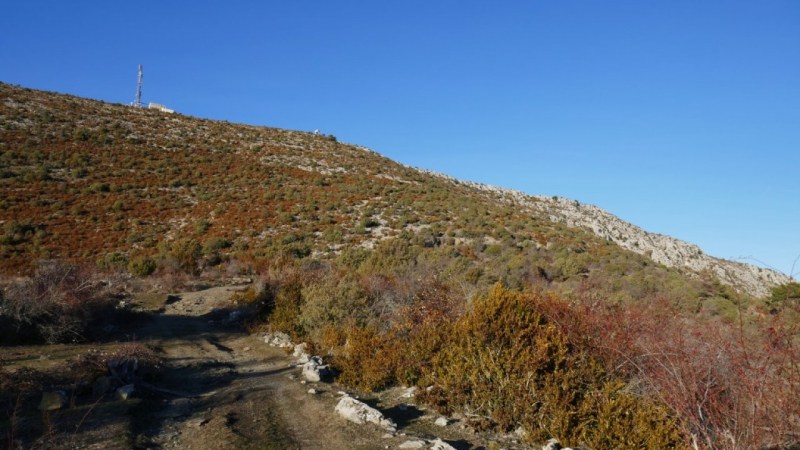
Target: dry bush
<point>733,386</point>
<point>505,364</point>
<point>96,363</point>
<point>56,304</point>
<point>377,355</point>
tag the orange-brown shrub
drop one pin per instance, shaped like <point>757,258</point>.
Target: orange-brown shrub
<point>399,347</point>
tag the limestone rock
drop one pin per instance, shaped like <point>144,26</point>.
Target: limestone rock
<point>361,413</point>
<point>278,339</point>
<point>300,353</point>
<point>315,371</point>
<point>442,422</point>
<point>410,392</point>
<point>667,250</point>
<point>414,443</point>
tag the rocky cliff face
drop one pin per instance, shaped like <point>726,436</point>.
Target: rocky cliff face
<point>662,249</point>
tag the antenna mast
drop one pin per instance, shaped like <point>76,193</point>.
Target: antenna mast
<point>138,100</point>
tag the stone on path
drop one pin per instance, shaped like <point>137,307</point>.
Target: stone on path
<point>361,413</point>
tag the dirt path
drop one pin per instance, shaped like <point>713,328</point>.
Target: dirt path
<point>234,390</point>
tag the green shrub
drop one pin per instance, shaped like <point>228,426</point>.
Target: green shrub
<point>784,295</point>
<point>114,260</point>
<point>142,266</point>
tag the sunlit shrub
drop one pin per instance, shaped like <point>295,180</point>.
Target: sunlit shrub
<point>506,365</point>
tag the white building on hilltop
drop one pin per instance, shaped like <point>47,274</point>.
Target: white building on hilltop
<point>160,107</point>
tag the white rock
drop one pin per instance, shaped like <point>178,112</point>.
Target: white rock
<point>410,392</point>
<point>439,444</point>
<point>314,370</point>
<point>312,391</point>
<point>361,413</point>
<point>278,339</point>
<point>415,443</point>
<point>300,353</point>
<point>442,422</point>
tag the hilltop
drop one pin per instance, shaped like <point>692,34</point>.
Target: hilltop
<point>89,181</point>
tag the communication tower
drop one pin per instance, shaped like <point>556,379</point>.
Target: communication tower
<point>138,100</point>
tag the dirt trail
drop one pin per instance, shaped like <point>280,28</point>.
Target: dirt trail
<point>231,390</point>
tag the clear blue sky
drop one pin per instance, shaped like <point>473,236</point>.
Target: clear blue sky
<point>682,117</point>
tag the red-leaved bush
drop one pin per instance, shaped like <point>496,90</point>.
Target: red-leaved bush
<point>732,386</point>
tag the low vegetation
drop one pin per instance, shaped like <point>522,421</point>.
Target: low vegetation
<point>397,277</point>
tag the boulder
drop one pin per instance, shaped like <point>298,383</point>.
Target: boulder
<point>439,444</point>
<point>442,422</point>
<point>414,443</point>
<point>124,392</point>
<point>53,400</point>
<point>314,371</point>
<point>300,353</point>
<point>361,413</point>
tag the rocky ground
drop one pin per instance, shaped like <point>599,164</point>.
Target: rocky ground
<point>219,387</point>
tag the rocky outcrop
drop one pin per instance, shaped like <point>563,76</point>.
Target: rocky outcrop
<point>666,250</point>
<point>662,249</point>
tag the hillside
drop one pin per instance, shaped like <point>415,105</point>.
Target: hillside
<point>84,180</point>
<point>662,249</point>
<point>521,318</point>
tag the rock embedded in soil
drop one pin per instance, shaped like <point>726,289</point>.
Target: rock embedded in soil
<point>278,339</point>
<point>414,443</point>
<point>314,370</point>
<point>361,413</point>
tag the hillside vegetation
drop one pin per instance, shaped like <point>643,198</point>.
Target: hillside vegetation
<point>486,300</point>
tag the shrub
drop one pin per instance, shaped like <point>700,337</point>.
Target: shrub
<point>142,266</point>
<point>785,295</point>
<point>507,364</point>
<point>184,254</point>
<point>732,386</point>
<point>56,304</point>
<point>113,261</point>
